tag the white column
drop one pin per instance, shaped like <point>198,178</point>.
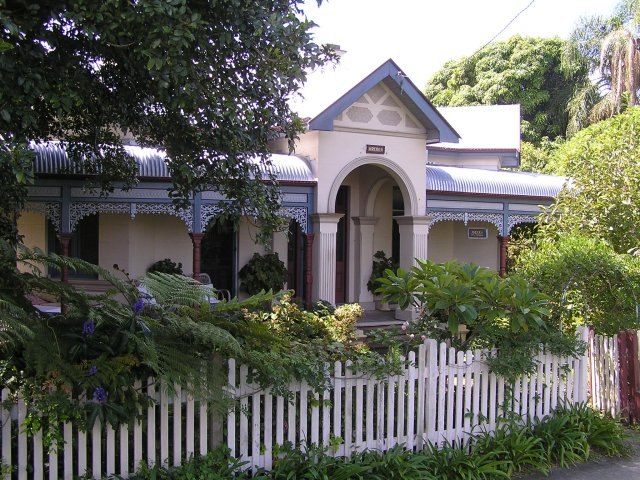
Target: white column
<point>413,245</point>
<point>364,229</point>
<point>325,227</point>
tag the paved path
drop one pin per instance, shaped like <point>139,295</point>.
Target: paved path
<point>601,469</point>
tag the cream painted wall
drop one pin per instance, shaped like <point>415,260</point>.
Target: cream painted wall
<point>113,244</point>
<point>33,226</point>
<point>154,237</point>
<point>484,161</point>
<point>448,240</point>
<point>384,211</point>
<point>440,246</point>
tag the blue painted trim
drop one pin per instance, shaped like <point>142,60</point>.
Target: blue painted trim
<point>391,75</point>
<point>197,203</point>
<point>65,220</point>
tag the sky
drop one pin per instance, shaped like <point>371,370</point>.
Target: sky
<point>422,35</point>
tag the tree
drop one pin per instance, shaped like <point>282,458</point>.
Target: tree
<point>603,161</point>
<point>519,70</point>
<point>608,48</point>
<point>209,82</point>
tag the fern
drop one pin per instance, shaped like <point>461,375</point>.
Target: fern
<point>15,326</point>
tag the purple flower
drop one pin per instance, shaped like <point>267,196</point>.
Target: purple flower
<point>138,306</point>
<point>92,370</point>
<point>88,327</point>
<point>100,395</point>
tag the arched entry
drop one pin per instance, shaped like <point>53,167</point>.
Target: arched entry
<point>360,222</point>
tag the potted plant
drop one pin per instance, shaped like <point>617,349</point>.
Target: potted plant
<point>166,265</point>
<point>380,263</point>
<point>263,272</point>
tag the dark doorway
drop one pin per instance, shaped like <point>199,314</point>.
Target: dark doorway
<point>218,254</point>
<point>84,245</point>
<point>397,210</point>
<point>342,206</point>
<point>295,256</point>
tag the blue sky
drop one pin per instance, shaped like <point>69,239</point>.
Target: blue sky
<point>421,35</point>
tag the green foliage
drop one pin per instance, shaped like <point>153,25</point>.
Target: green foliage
<point>565,437</point>
<point>263,272</point>
<point>539,158</point>
<point>215,465</point>
<point>313,463</point>
<point>603,161</point>
<point>586,281</point>
<point>472,307</point>
<point>516,447</point>
<point>166,265</point>
<point>520,70</point>
<point>101,345</point>
<point>208,83</point>
<point>15,177</point>
<point>450,462</point>
<point>380,263</point>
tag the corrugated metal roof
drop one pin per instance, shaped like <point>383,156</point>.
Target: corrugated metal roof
<point>52,158</point>
<point>492,182</point>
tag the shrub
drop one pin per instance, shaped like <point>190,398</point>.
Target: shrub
<point>381,263</point>
<point>586,281</point>
<point>263,272</point>
<point>499,313</point>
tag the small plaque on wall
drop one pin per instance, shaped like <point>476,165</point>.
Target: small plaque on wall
<point>477,233</point>
<point>379,149</point>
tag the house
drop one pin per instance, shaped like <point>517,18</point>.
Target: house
<point>379,169</point>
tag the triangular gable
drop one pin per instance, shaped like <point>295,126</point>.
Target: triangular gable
<point>421,115</point>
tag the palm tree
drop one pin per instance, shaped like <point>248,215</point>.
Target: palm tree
<point>608,49</point>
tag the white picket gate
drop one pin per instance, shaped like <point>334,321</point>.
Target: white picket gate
<point>441,395</point>
<point>604,374</point>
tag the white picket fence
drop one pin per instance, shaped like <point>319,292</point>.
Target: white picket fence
<point>441,395</point>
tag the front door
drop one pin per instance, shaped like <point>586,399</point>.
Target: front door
<point>342,202</point>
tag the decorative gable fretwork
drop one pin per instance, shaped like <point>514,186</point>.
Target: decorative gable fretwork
<point>465,217</point>
<point>79,210</point>
<point>379,109</point>
<point>50,210</point>
<point>518,219</point>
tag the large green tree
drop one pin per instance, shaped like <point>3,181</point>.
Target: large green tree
<point>207,81</point>
<point>603,161</point>
<point>520,70</point>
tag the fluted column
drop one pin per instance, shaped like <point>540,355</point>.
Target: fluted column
<point>414,232</point>
<point>308,269</point>
<point>364,230</point>
<point>325,227</point>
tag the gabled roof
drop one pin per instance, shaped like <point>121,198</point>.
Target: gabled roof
<point>483,128</point>
<point>51,158</point>
<point>438,128</point>
<point>474,181</point>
